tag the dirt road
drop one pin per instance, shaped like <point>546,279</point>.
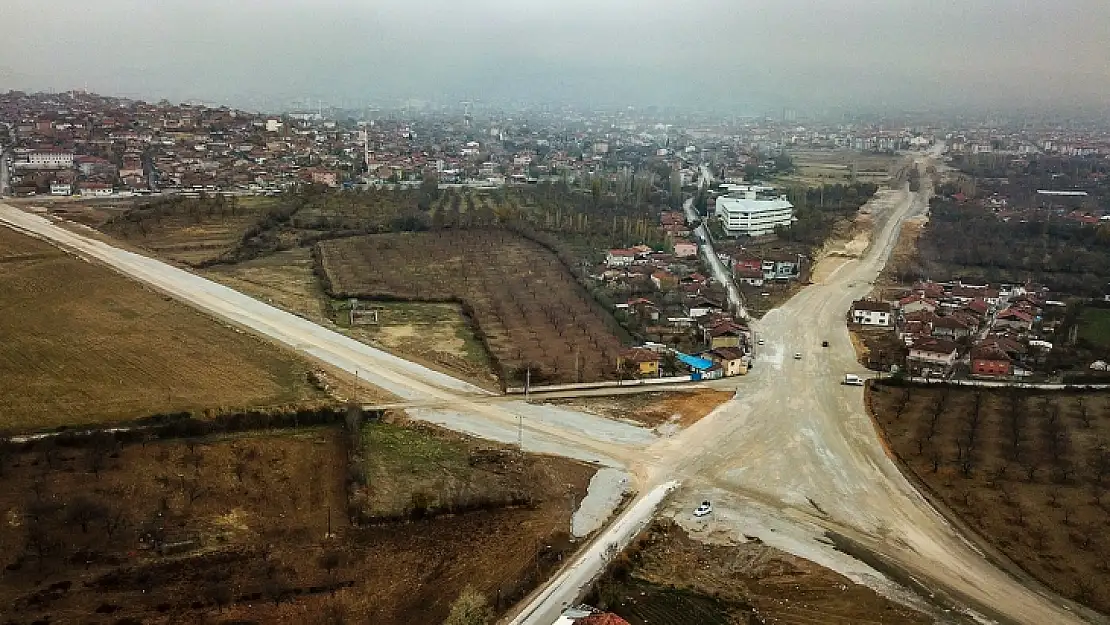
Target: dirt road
<point>543,429</point>
<point>797,443</point>
<point>794,445</point>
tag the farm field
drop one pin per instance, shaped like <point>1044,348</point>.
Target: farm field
<point>1027,471</point>
<point>816,167</point>
<point>235,528</point>
<point>528,309</point>
<point>436,335</point>
<point>678,409</point>
<point>80,344</point>
<point>668,578</point>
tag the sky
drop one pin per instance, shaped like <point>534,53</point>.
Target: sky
<point>730,55</point>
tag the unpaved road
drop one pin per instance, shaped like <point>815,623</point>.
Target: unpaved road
<point>794,445</point>
<point>546,429</point>
<point>798,443</point>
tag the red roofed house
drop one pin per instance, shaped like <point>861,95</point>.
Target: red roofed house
<point>915,303</point>
<point>931,357</point>
<point>685,249</point>
<point>990,361</point>
<point>1014,318</point>
<point>642,362</point>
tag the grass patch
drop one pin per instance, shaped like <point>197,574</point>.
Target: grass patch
<point>1094,326</point>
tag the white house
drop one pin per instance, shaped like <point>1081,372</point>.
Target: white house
<point>61,188</point>
<point>47,159</point>
<point>620,258</point>
<point>932,357</point>
<point>871,313</point>
<point>750,215</point>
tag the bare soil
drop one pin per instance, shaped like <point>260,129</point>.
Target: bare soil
<point>436,335</point>
<point>667,578</point>
<point>680,408</point>
<point>1028,471</point>
<point>526,306</point>
<point>80,344</point>
<point>235,528</point>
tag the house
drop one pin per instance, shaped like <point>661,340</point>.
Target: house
<point>950,327</point>
<point>871,313</point>
<point>685,249</point>
<point>731,360</point>
<point>664,280</point>
<point>724,334</point>
<point>931,357</point>
<point>1013,318</point>
<point>643,363</point>
<point>703,368</point>
<point>990,360</point>
<point>61,188</point>
<point>752,277</point>
<point>94,189</point>
<point>620,258</point>
<point>915,303</point>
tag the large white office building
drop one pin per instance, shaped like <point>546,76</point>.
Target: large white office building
<point>747,213</point>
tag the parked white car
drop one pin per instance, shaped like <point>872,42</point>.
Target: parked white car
<point>704,509</point>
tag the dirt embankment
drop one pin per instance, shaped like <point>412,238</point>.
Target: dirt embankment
<point>667,577</point>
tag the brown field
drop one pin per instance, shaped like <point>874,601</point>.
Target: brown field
<point>529,309</point>
<point>1027,471</point>
<point>816,167</point>
<point>667,578</point>
<point>235,528</point>
<point>680,408</point>
<point>436,335</point>
<point>80,344</point>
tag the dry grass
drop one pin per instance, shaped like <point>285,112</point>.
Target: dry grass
<point>80,344</point>
<point>253,512</point>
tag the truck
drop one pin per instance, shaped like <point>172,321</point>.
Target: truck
<point>852,379</point>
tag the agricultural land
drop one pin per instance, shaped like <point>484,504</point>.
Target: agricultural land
<point>1026,471</point>
<point>80,344</point>
<point>666,577</point>
<point>529,310</point>
<point>436,335</point>
<point>277,525</point>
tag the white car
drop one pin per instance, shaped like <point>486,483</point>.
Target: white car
<point>760,341</point>
<point>704,509</point>
<point>797,355</point>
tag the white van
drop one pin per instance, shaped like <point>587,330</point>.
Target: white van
<point>853,379</point>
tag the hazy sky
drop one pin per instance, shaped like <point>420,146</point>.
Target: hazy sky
<point>742,55</point>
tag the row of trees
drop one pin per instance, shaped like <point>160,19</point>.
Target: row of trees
<point>963,240</point>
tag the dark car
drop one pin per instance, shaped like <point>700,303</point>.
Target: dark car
<point>824,343</point>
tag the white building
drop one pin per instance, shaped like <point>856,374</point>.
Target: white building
<point>750,215</point>
<point>47,159</point>
<point>273,125</point>
<point>871,313</point>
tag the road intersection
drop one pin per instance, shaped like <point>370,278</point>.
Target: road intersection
<point>794,445</point>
